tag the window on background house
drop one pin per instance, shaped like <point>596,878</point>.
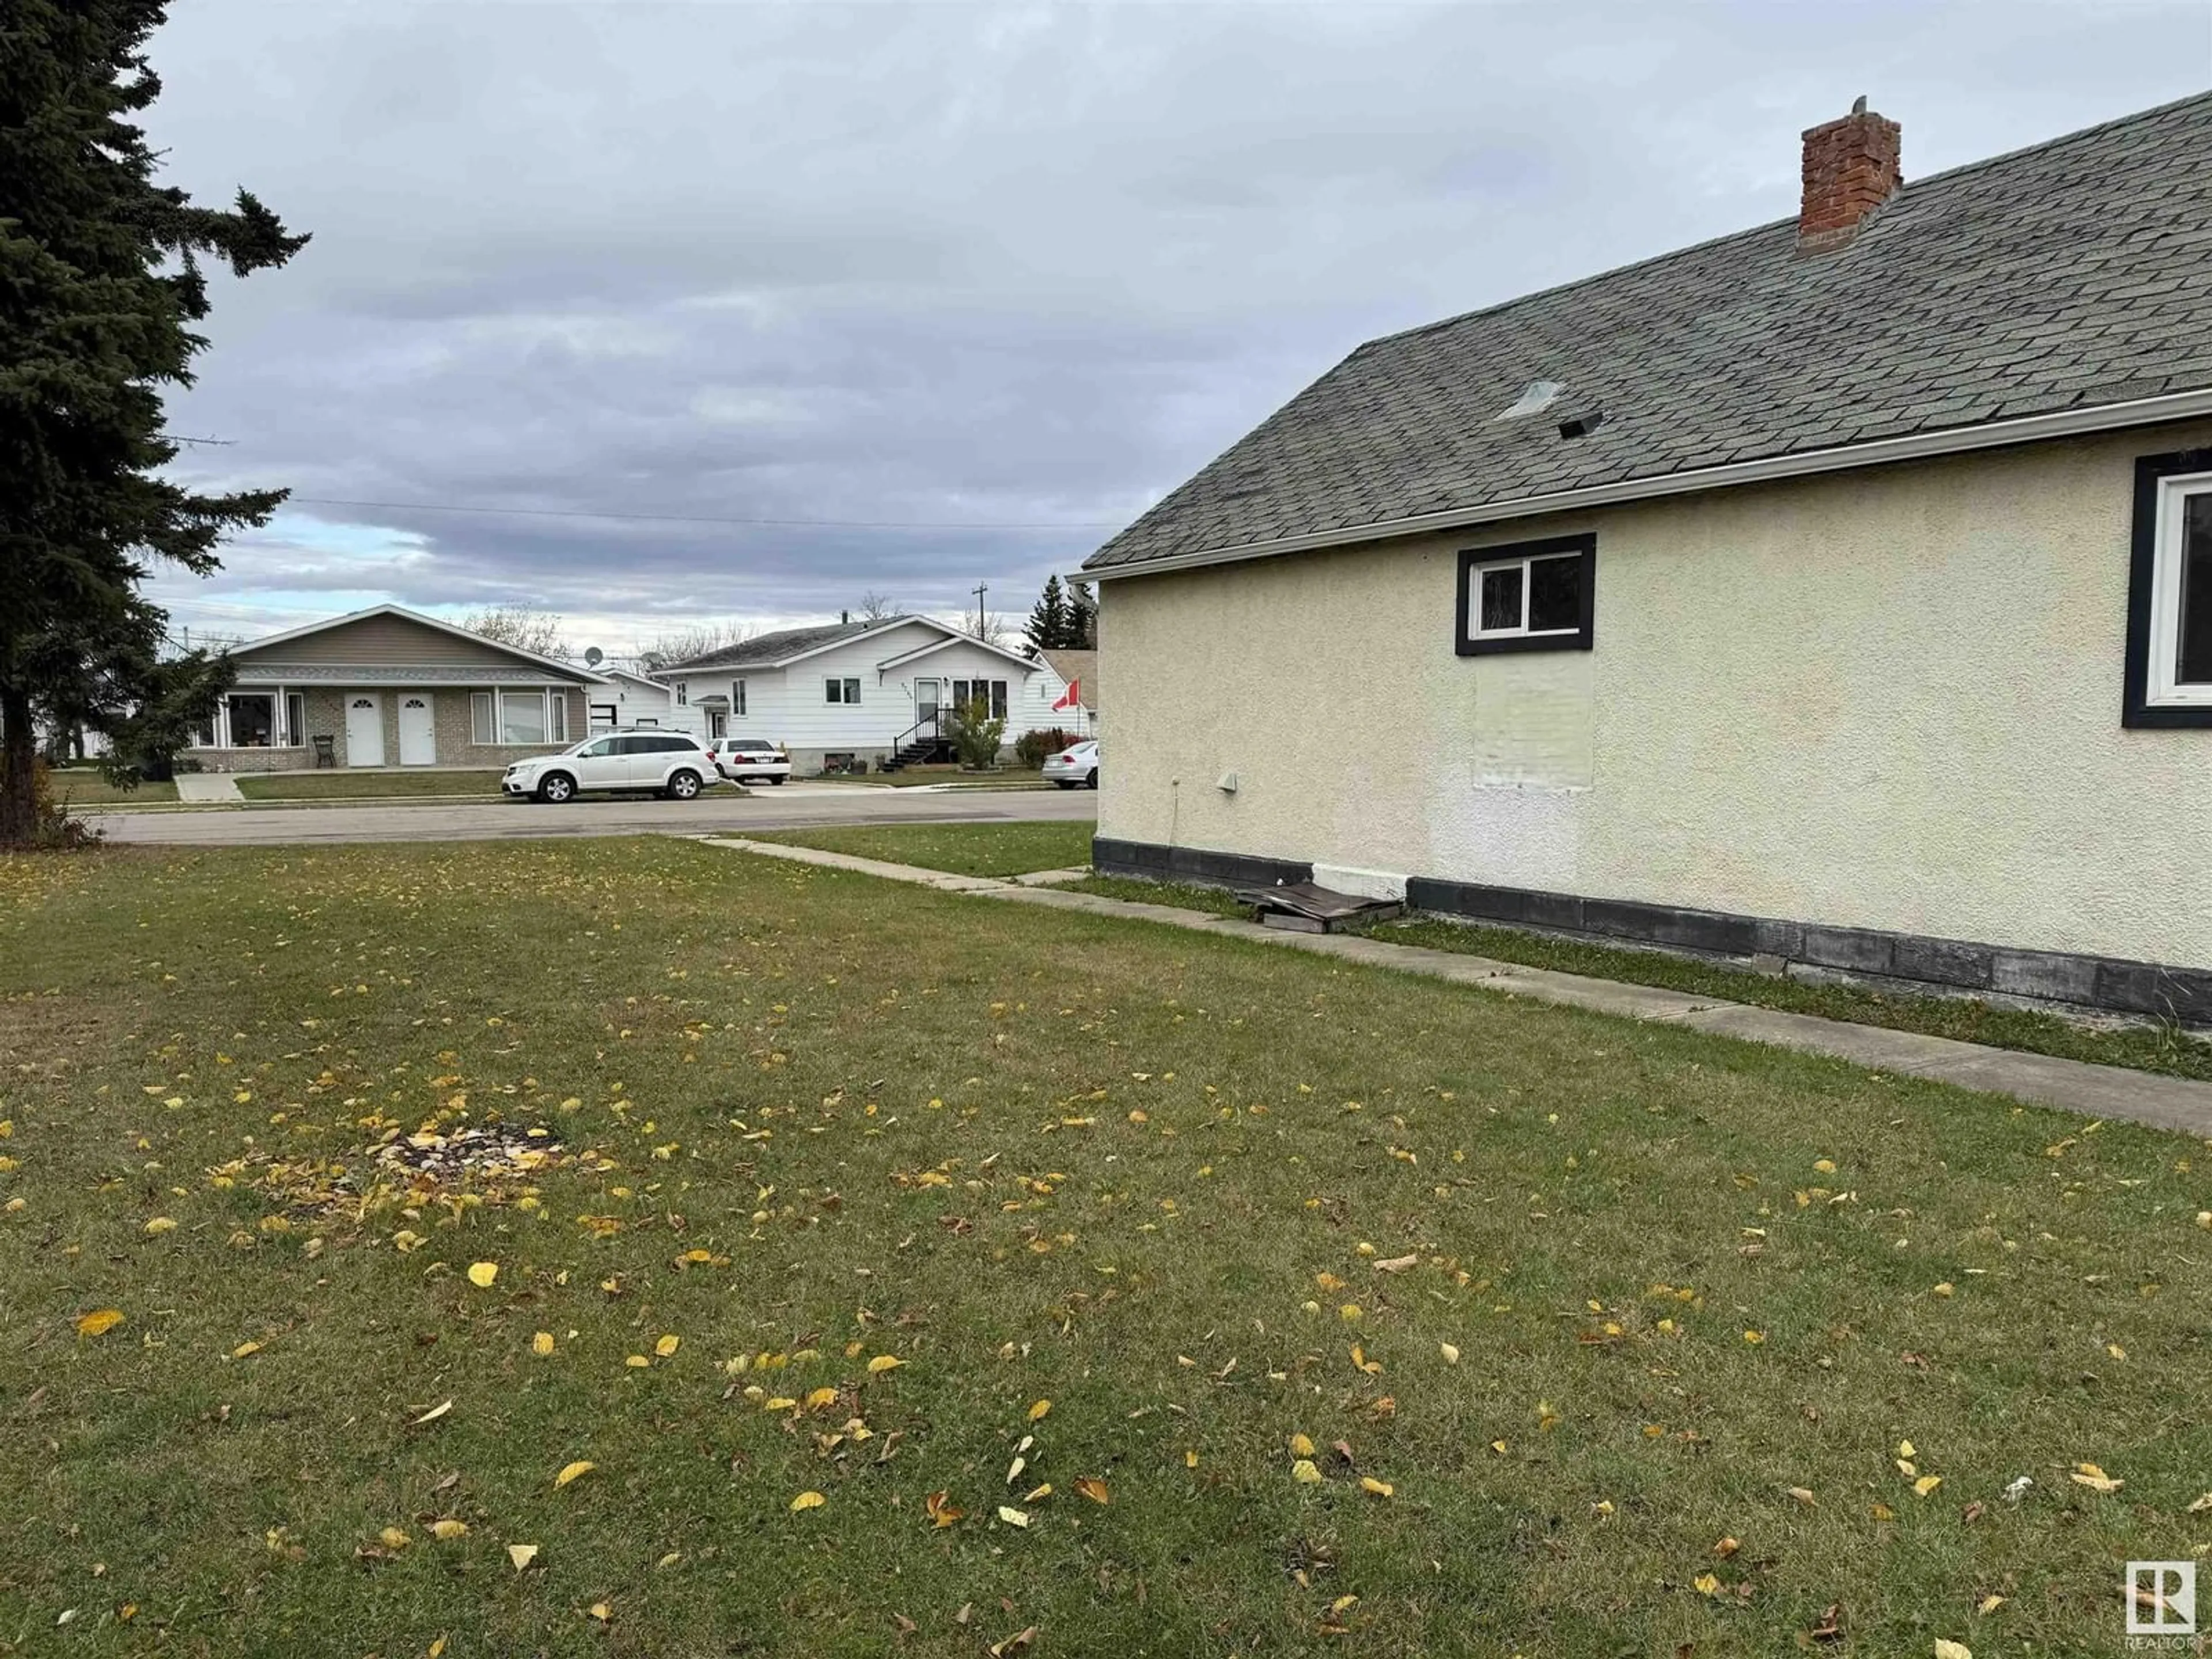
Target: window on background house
<point>737,697</point>
<point>841,691</point>
<point>522,717</point>
<point>683,694</point>
<point>252,720</point>
<point>2169,667</point>
<point>294,732</point>
<point>484,723</point>
<point>1530,596</point>
<point>557,716</point>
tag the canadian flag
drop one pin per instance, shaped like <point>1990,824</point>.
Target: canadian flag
<point>1071,698</point>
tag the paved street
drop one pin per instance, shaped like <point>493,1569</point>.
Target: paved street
<point>793,807</point>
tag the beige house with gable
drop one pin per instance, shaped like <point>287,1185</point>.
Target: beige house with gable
<point>390,686</point>
<point>1836,595</point>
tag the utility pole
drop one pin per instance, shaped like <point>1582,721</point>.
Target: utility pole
<point>981,589</point>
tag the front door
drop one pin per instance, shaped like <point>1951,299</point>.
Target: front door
<point>364,729</point>
<point>418,729</point>
<point>925,699</point>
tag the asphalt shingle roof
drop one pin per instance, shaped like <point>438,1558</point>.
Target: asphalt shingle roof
<point>2075,273</point>
<point>765,649</point>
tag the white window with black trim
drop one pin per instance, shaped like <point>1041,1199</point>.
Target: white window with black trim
<point>1527,596</point>
<point>840,691</point>
<point>2169,665</point>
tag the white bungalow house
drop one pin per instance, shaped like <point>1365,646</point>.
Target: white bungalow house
<point>630,698</point>
<point>852,695</point>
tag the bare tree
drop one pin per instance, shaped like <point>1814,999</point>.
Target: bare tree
<point>680,645</point>
<point>535,631</point>
<point>989,627</point>
<point>875,607</point>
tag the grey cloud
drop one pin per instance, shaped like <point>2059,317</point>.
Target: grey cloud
<point>946,262</point>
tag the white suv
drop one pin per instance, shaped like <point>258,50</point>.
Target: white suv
<point>670,763</point>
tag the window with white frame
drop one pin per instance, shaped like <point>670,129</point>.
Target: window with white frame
<point>841,691</point>
<point>1527,596</point>
<point>253,720</point>
<point>990,693</point>
<point>683,694</point>
<point>2169,667</point>
<point>515,719</point>
<point>737,697</point>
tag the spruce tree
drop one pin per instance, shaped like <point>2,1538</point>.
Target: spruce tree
<point>100,281</point>
<point>1081,633</point>
<point>1047,628</point>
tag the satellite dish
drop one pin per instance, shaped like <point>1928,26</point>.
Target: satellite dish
<point>593,656</point>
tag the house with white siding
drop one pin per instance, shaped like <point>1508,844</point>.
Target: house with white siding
<point>858,695</point>
<point>629,698</point>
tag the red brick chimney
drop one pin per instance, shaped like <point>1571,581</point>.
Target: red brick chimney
<point>1851,169</point>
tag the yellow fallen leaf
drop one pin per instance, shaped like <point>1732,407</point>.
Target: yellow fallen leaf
<point>780,1403</point>
<point>1989,1604</point>
<point>1039,1409</point>
<point>575,1471</point>
<point>2089,1476</point>
<point>435,1649</point>
<point>1094,1489</point>
<point>100,1321</point>
<point>820,1398</point>
<point>808,1500</point>
<point>1953,1650</point>
<point>1450,1353</point>
<point>601,1611</point>
<point>1190,1459</point>
<point>481,1274</point>
<point>1301,1446</point>
<point>1946,1289</point>
<point>938,1507</point>
<point>1926,1484</point>
<point>667,1345</point>
<point>394,1539</point>
<point>1037,1493</point>
<point>1376,1488</point>
<point>446,1531</point>
<point>1754,1337</point>
<point>521,1554</point>
<point>244,1349</point>
<point>542,1343</point>
<point>2198,1505</point>
<point>1802,1495</point>
<point>160,1224</point>
<point>1726,1547</point>
<point>637,1362</point>
<point>433,1414</point>
<point>1904,1450</point>
<point>1883,1512</point>
<point>1705,1584</point>
<point>1013,1517</point>
<point>1304,1471</point>
<point>884,1362</point>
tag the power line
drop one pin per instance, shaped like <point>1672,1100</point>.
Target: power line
<point>686,518</point>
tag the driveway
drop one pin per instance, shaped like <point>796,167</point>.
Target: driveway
<point>792,807</point>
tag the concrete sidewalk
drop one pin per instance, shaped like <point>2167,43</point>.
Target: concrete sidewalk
<point>2112,1092</point>
<point>208,789</point>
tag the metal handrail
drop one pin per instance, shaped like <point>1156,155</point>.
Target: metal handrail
<point>933,723</point>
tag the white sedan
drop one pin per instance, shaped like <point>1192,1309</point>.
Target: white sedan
<point>1075,767</point>
<point>741,759</point>
<point>669,763</point>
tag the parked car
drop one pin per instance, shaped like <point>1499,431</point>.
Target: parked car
<point>1075,766</point>
<point>741,759</point>
<point>672,764</point>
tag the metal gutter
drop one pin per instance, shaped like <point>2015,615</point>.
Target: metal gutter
<point>1920,446</point>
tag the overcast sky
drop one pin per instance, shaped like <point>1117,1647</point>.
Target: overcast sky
<point>942,265</point>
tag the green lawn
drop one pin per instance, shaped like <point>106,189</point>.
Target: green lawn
<point>968,849</point>
<point>1135,1207</point>
<point>88,788</point>
<point>353,785</point>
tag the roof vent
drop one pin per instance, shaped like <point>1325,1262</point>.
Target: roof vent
<point>1581,426</point>
<point>1538,396</point>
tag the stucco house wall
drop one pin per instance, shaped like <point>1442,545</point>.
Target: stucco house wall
<point>1884,699</point>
